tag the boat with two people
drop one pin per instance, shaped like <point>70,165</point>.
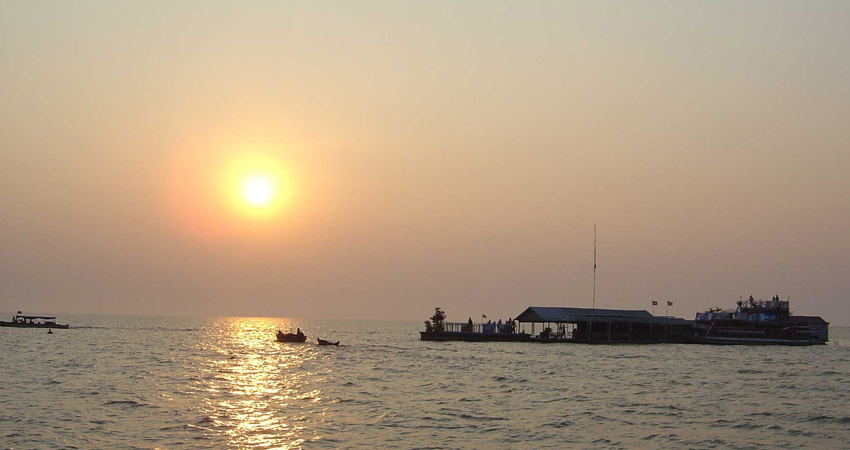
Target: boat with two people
<point>324,342</point>
<point>27,321</point>
<point>758,322</point>
<point>298,336</point>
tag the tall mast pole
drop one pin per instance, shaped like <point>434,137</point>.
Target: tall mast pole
<point>594,266</point>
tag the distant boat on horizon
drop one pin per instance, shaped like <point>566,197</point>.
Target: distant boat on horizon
<point>27,321</point>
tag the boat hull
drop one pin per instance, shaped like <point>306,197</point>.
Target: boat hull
<point>34,325</point>
<point>474,337</point>
<point>752,341</point>
<point>291,337</point>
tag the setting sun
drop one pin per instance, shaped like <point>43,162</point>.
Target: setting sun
<point>258,185</point>
<point>258,190</point>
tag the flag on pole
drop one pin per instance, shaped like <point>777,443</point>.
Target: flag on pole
<point>654,303</point>
<point>669,303</point>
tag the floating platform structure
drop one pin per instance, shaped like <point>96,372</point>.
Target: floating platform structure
<point>570,325</point>
<point>475,332</point>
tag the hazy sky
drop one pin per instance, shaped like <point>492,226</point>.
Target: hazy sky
<point>452,154</point>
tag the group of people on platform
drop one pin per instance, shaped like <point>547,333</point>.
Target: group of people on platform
<point>492,327</point>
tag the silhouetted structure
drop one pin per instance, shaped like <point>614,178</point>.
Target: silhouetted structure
<point>594,325</point>
<point>576,325</point>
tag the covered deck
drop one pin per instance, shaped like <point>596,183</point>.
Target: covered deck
<point>34,320</point>
<point>31,321</point>
<point>593,325</point>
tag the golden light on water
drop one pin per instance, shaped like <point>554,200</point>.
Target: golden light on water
<point>257,391</point>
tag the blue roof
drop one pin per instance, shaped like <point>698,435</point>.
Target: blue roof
<point>559,314</point>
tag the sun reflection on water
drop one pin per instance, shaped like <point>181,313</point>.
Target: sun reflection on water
<point>260,393</point>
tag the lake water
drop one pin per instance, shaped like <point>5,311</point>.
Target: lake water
<point>117,382</point>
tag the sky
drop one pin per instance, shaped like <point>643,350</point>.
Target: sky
<point>414,154</point>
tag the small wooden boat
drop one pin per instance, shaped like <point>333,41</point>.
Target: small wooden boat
<point>291,337</point>
<point>324,342</point>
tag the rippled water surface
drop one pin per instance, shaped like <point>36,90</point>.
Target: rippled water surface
<point>180,383</point>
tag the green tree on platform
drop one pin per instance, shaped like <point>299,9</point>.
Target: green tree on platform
<point>435,324</point>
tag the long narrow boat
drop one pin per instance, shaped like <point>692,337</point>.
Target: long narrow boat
<point>27,321</point>
<point>324,342</point>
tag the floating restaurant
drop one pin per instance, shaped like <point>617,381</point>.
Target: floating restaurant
<point>753,322</point>
<point>559,324</point>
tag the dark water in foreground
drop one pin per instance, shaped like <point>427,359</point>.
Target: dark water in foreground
<point>182,383</point>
